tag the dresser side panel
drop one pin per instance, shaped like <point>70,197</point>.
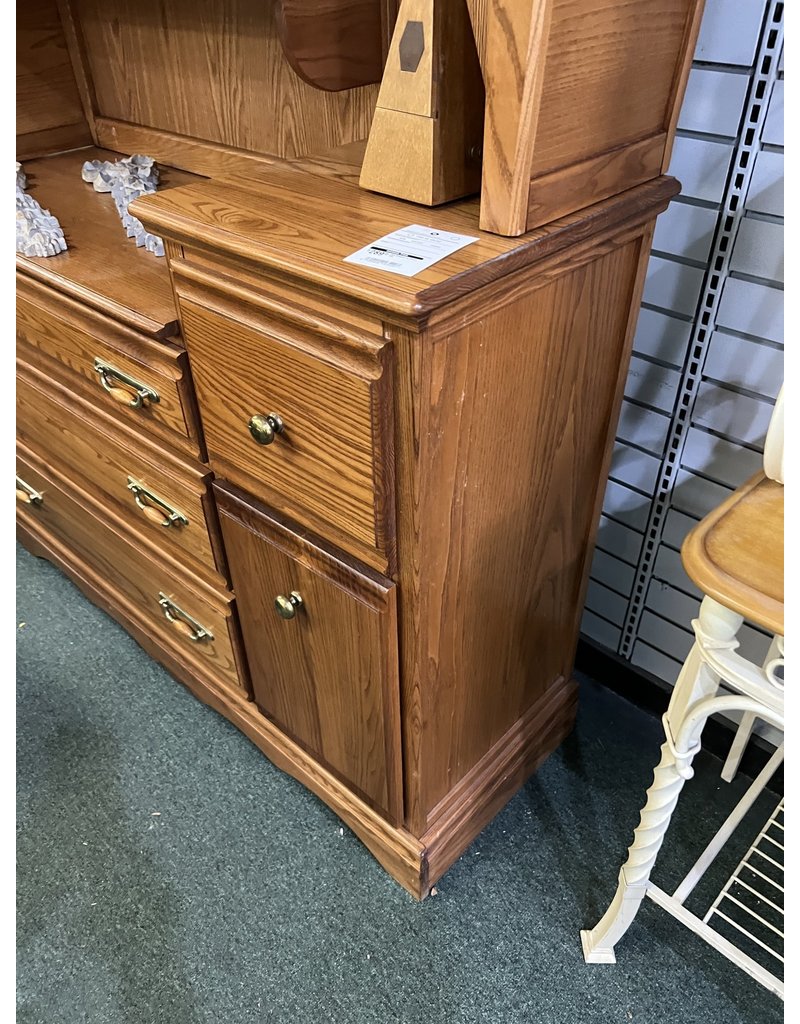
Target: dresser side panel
<point>503,429</point>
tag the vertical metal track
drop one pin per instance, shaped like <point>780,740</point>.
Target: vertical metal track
<point>765,73</point>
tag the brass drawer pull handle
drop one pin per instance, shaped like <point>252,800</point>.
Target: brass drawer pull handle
<point>182,621</point>
<point>156,509</point>
<point>287,607</point>
<point>141,392</point>
<point>28,495</point>
<point>264,428</point>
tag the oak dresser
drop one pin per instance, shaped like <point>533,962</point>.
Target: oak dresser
<point>350,510</point>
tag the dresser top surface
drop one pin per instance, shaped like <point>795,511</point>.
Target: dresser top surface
<point>302,224</point>
<point>101,266</point>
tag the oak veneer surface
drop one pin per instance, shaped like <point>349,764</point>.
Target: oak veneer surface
<point>508,362</point>
<point>303,225</point>
<point>49,111</point>
<point>99,450</point>
<point>735,554</point>
<point>85,523</point>
<point>608,76</point>
<point>328,676</point>
<point>102,266</point>
<point>328,459</point>
<point>511,425</point>
<point>212,70</point>
<point>582,99</point>
<point>64,337</point>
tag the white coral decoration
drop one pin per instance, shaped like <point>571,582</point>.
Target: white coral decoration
<point>38,231</point>
<point>126,180</point>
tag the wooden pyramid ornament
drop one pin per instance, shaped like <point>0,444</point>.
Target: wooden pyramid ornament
<point>426,135</point>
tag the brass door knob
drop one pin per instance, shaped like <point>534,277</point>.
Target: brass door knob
<point>264,428</point>
<point>287,607</point>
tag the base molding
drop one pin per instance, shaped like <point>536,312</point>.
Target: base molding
<point>494,780</point>
<point>416,863</point>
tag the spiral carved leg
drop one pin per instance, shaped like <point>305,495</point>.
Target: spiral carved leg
<point>662,796</point>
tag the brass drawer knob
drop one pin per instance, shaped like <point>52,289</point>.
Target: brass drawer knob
<point>154,508</point>
<point>134,393</point>
<point>182,621</point>
<point>287,607</point>
<point>27,495</point>
<point>264,428</point>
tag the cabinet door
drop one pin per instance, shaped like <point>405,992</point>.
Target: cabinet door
<point>324,657</point>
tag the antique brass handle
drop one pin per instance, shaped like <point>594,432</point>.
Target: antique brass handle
<point>141,392</point>
<point>264,428</point>
<point>182,621</point>
<point>28,495</point>
<point>287,607</point>
<point>156,509</point>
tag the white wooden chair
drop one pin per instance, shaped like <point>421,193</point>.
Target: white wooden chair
<point>735,556</point>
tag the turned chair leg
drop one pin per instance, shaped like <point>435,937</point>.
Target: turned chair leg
<point>717,626</point>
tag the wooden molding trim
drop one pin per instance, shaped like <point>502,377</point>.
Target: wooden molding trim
<point>397,302</point>
<point>53,140</point>
<point>210,159</point>
<point>563,191</point>
<point>477,798</point>
<point>565,241</point>
<point>44,275</point>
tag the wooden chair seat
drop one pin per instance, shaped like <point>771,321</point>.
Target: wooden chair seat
<point>735,554</point>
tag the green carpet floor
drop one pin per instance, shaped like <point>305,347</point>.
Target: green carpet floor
<point>169,873</point>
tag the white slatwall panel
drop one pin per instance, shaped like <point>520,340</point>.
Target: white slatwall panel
<point>707,384</point>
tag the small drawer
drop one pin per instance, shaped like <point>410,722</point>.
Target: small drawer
<point>142,381</point>
<point>300,416</point>
<point>162,498</point>
<point>196,624</point>
<point>321,639</point>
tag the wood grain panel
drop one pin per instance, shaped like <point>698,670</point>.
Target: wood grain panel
<point>330,461</point>
<point>554,195</point>
<point>571,85</point>
<point>301,226</point>
<point>214,70</point>
<point>609,79</point>
<point>71,337</point>
<point>328,676</point>
<point>502,435</point>
<point>49,110</point>
<point>96,535</point>
<point>512,41</point>
<point>103,456</point>
<point>102,266</point>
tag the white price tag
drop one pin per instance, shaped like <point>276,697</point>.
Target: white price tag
<point>410,250</point>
